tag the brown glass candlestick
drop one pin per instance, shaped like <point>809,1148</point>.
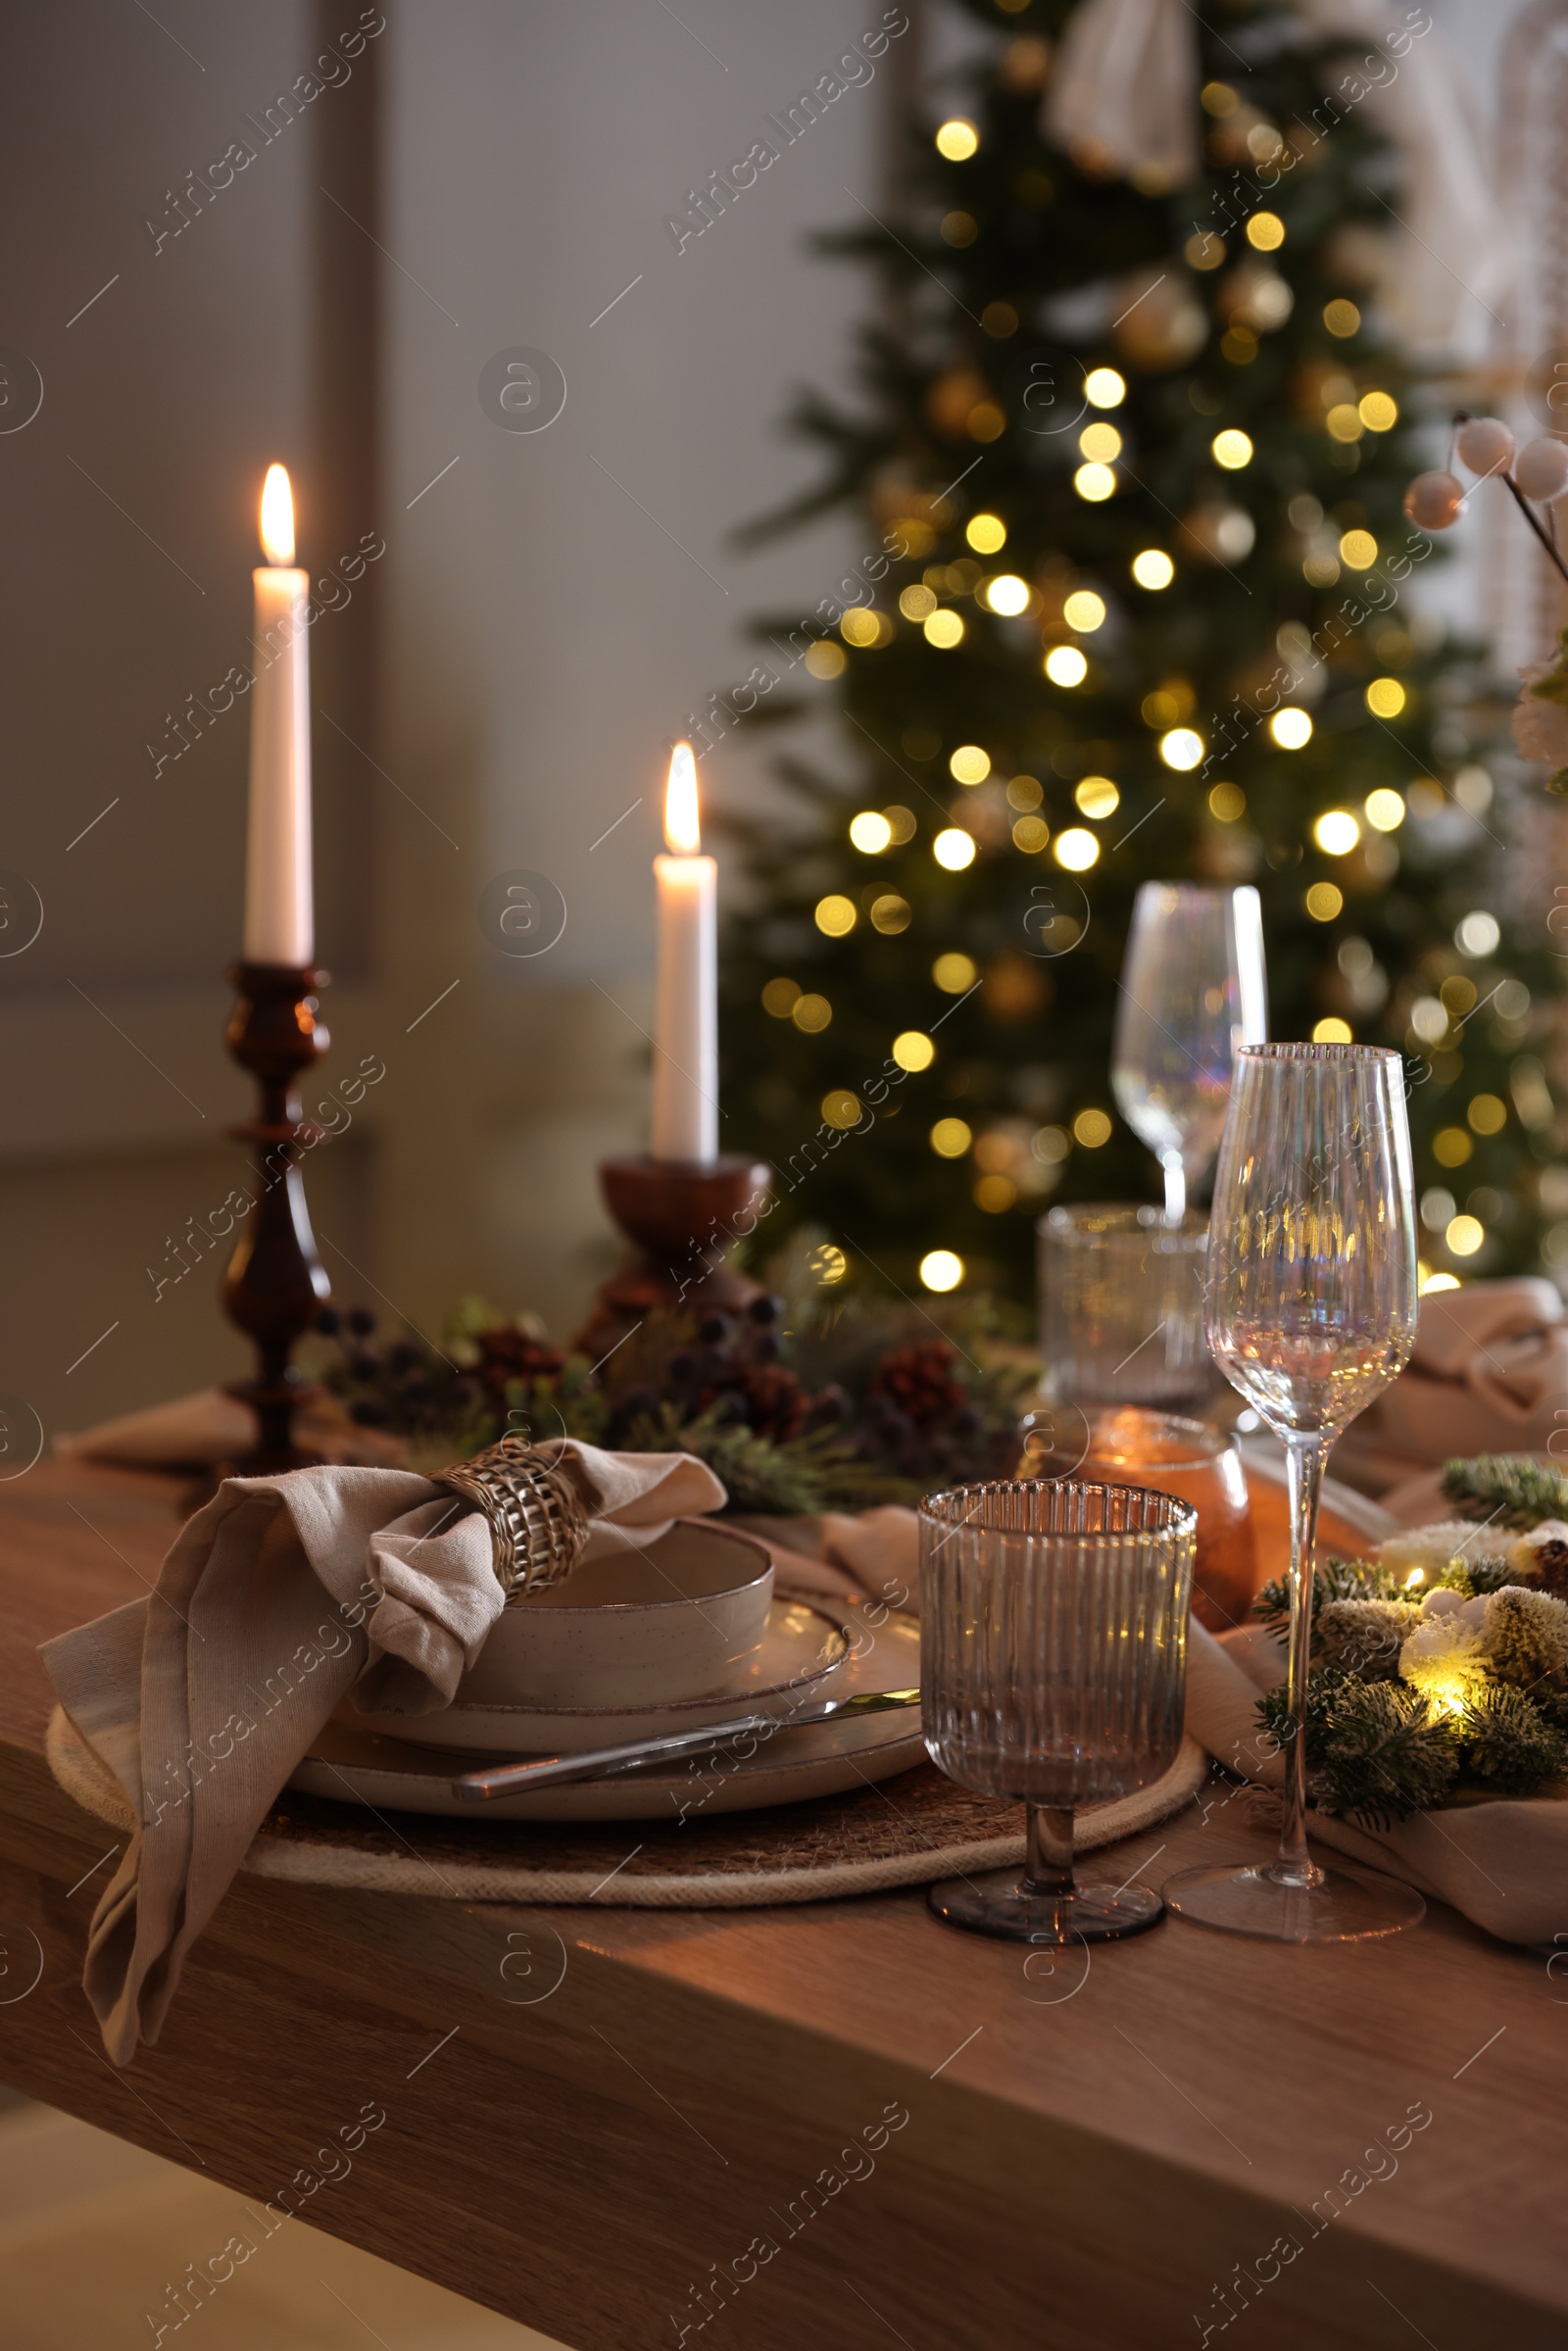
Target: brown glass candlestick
<point>275,1281</point>
<point>685,1217</point>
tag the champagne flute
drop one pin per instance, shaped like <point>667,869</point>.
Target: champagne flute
<point>1193,990</point>
<point>1310,1312</point>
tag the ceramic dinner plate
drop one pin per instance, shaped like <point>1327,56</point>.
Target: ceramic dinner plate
<point>360,1765</point>
<point>801,1654</point>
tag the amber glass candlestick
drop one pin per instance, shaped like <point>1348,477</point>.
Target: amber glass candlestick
<point>275,1281</point>
<point>685,1218</point>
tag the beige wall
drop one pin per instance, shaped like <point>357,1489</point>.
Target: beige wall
<point>513,674</point>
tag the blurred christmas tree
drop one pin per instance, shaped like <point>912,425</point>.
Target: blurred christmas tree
<point>1143,445</point>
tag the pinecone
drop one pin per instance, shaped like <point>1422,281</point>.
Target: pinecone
<point>919,1379</point>
<point>507,1353</point>
<point>772,1399</point>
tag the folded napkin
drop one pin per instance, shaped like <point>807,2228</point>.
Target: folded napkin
<point>275,1600</point>
<point>212,1425</point>
<point>1487,1371</point>
<point>875,1558</point>
<point>1503,1864</point>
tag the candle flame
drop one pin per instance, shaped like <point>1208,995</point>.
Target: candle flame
<point>683,832</point>
<point>277,516</point>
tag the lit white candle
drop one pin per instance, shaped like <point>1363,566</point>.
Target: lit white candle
<point>685,1122</point>
<point>279,900</point>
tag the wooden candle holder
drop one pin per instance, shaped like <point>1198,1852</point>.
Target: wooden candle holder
<point>685,1218</point>
<point>275,1281</point>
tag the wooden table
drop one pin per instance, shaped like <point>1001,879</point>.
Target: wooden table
<point>591,2115</point>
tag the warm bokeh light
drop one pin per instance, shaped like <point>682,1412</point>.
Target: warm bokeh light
<point>1104,388</point>
<point>1324,901</point>
<point>1101,442</point>
<point>1359,550</point>
<point>1340,318</point>
<point>1066,665</point>
<point>683,831</point>
<point>950,1137</point>
<point>1384,810</point>
<point>862,627</point>
<point>1380,410</point>
<point>1452,1147</point>
<point>1095,483</point>
<point>913,1050</point>
<point>1265,232</point>
<point>812,1015</point>
<point>1154,569</point>
<point>1335,832</point>
<point>824,659</point>
<point>1464,1236</point>
<point>1231,449</point>
<point>828,1263</point>
<point>954,849</point>
<point>1007,594</point>
<point>958,139</point>
<point>1435,1281</point>
<point>1181,747</point>
<point>1344,422</point>
<point>1096,796</point>
<point>1290,728</point>
<point>995,1193</point>
<point>1031,834</point>
<point>944,630</point>
<point>835,915</point>
<point>277,516</point>
<point>1228,802</point>
<point>954,974</point>
<point>969,764</point>
<point>870,831</point>
<point>941,1271</point>
<point>1076,848</point>
<point>891,915</point>
<point>1090,1128</point>
<point>986,533</point>
<point>1083,611</point>
<point>916,602</point>
<point>780,998</point>
<point>1331,1031</point>
<point>1487,1113</point>
<point>1385,697</point>
<point>841,1108</point>
<point>1478,934</point>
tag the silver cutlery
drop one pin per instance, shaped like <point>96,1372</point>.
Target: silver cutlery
<point>597,1763</point>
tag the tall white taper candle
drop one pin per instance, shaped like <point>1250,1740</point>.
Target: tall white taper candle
<point>685,1120</point>
<point>280,896</point>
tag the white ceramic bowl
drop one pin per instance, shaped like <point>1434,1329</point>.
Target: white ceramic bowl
<point>676,1620</point>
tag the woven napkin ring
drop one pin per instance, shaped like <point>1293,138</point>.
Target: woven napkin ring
<point>538,1525</point>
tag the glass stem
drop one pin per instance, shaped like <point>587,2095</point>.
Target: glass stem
<point>1047,1865</point>
<point>1305,1459</point>
<point>1175,1187</point>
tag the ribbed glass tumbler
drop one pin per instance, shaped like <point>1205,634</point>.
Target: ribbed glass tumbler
<point>1054,1668</point>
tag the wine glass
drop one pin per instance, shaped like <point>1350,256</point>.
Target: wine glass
<point>1193,990</point>
<point>1053,1667</point>
<point>1310,1312</point>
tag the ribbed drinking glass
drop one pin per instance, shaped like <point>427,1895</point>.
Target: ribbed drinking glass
<point>1053,1668</point>
<point>1311,1312</point>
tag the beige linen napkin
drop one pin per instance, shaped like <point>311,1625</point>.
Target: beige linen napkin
<point>1503,1864</point>
<point>212,1426</point>
<point>275,1600</point>
<point>1487,1375</point>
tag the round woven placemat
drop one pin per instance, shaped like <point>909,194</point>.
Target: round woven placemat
<point>903,1832</point>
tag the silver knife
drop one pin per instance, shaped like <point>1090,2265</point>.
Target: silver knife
<point>597,1763</point>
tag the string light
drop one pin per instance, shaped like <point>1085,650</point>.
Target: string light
<point>1095,483</point>
<point>1076,848</point>
<point>940,1269</point>
<point>870,831</point>
<point>1335,832</point>
<point>1066,665</point>
<point>969,764</point>
<point>1083,611</point>
<point>944,630</point>
<point>986,533</point>
<point>954,849</point>
<point>1384,809</point>
<point>1290,728</point>
<point>913,1050</point>
<point>1154,569</point>
<point>1181,747</point>
<point>1104,388</point>
<point>1007,594</point>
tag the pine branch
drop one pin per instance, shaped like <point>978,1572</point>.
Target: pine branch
<point>1507,1491</point>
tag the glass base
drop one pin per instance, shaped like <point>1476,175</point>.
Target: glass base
<point>1001,1902</point>
<point>1339,1906</point>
